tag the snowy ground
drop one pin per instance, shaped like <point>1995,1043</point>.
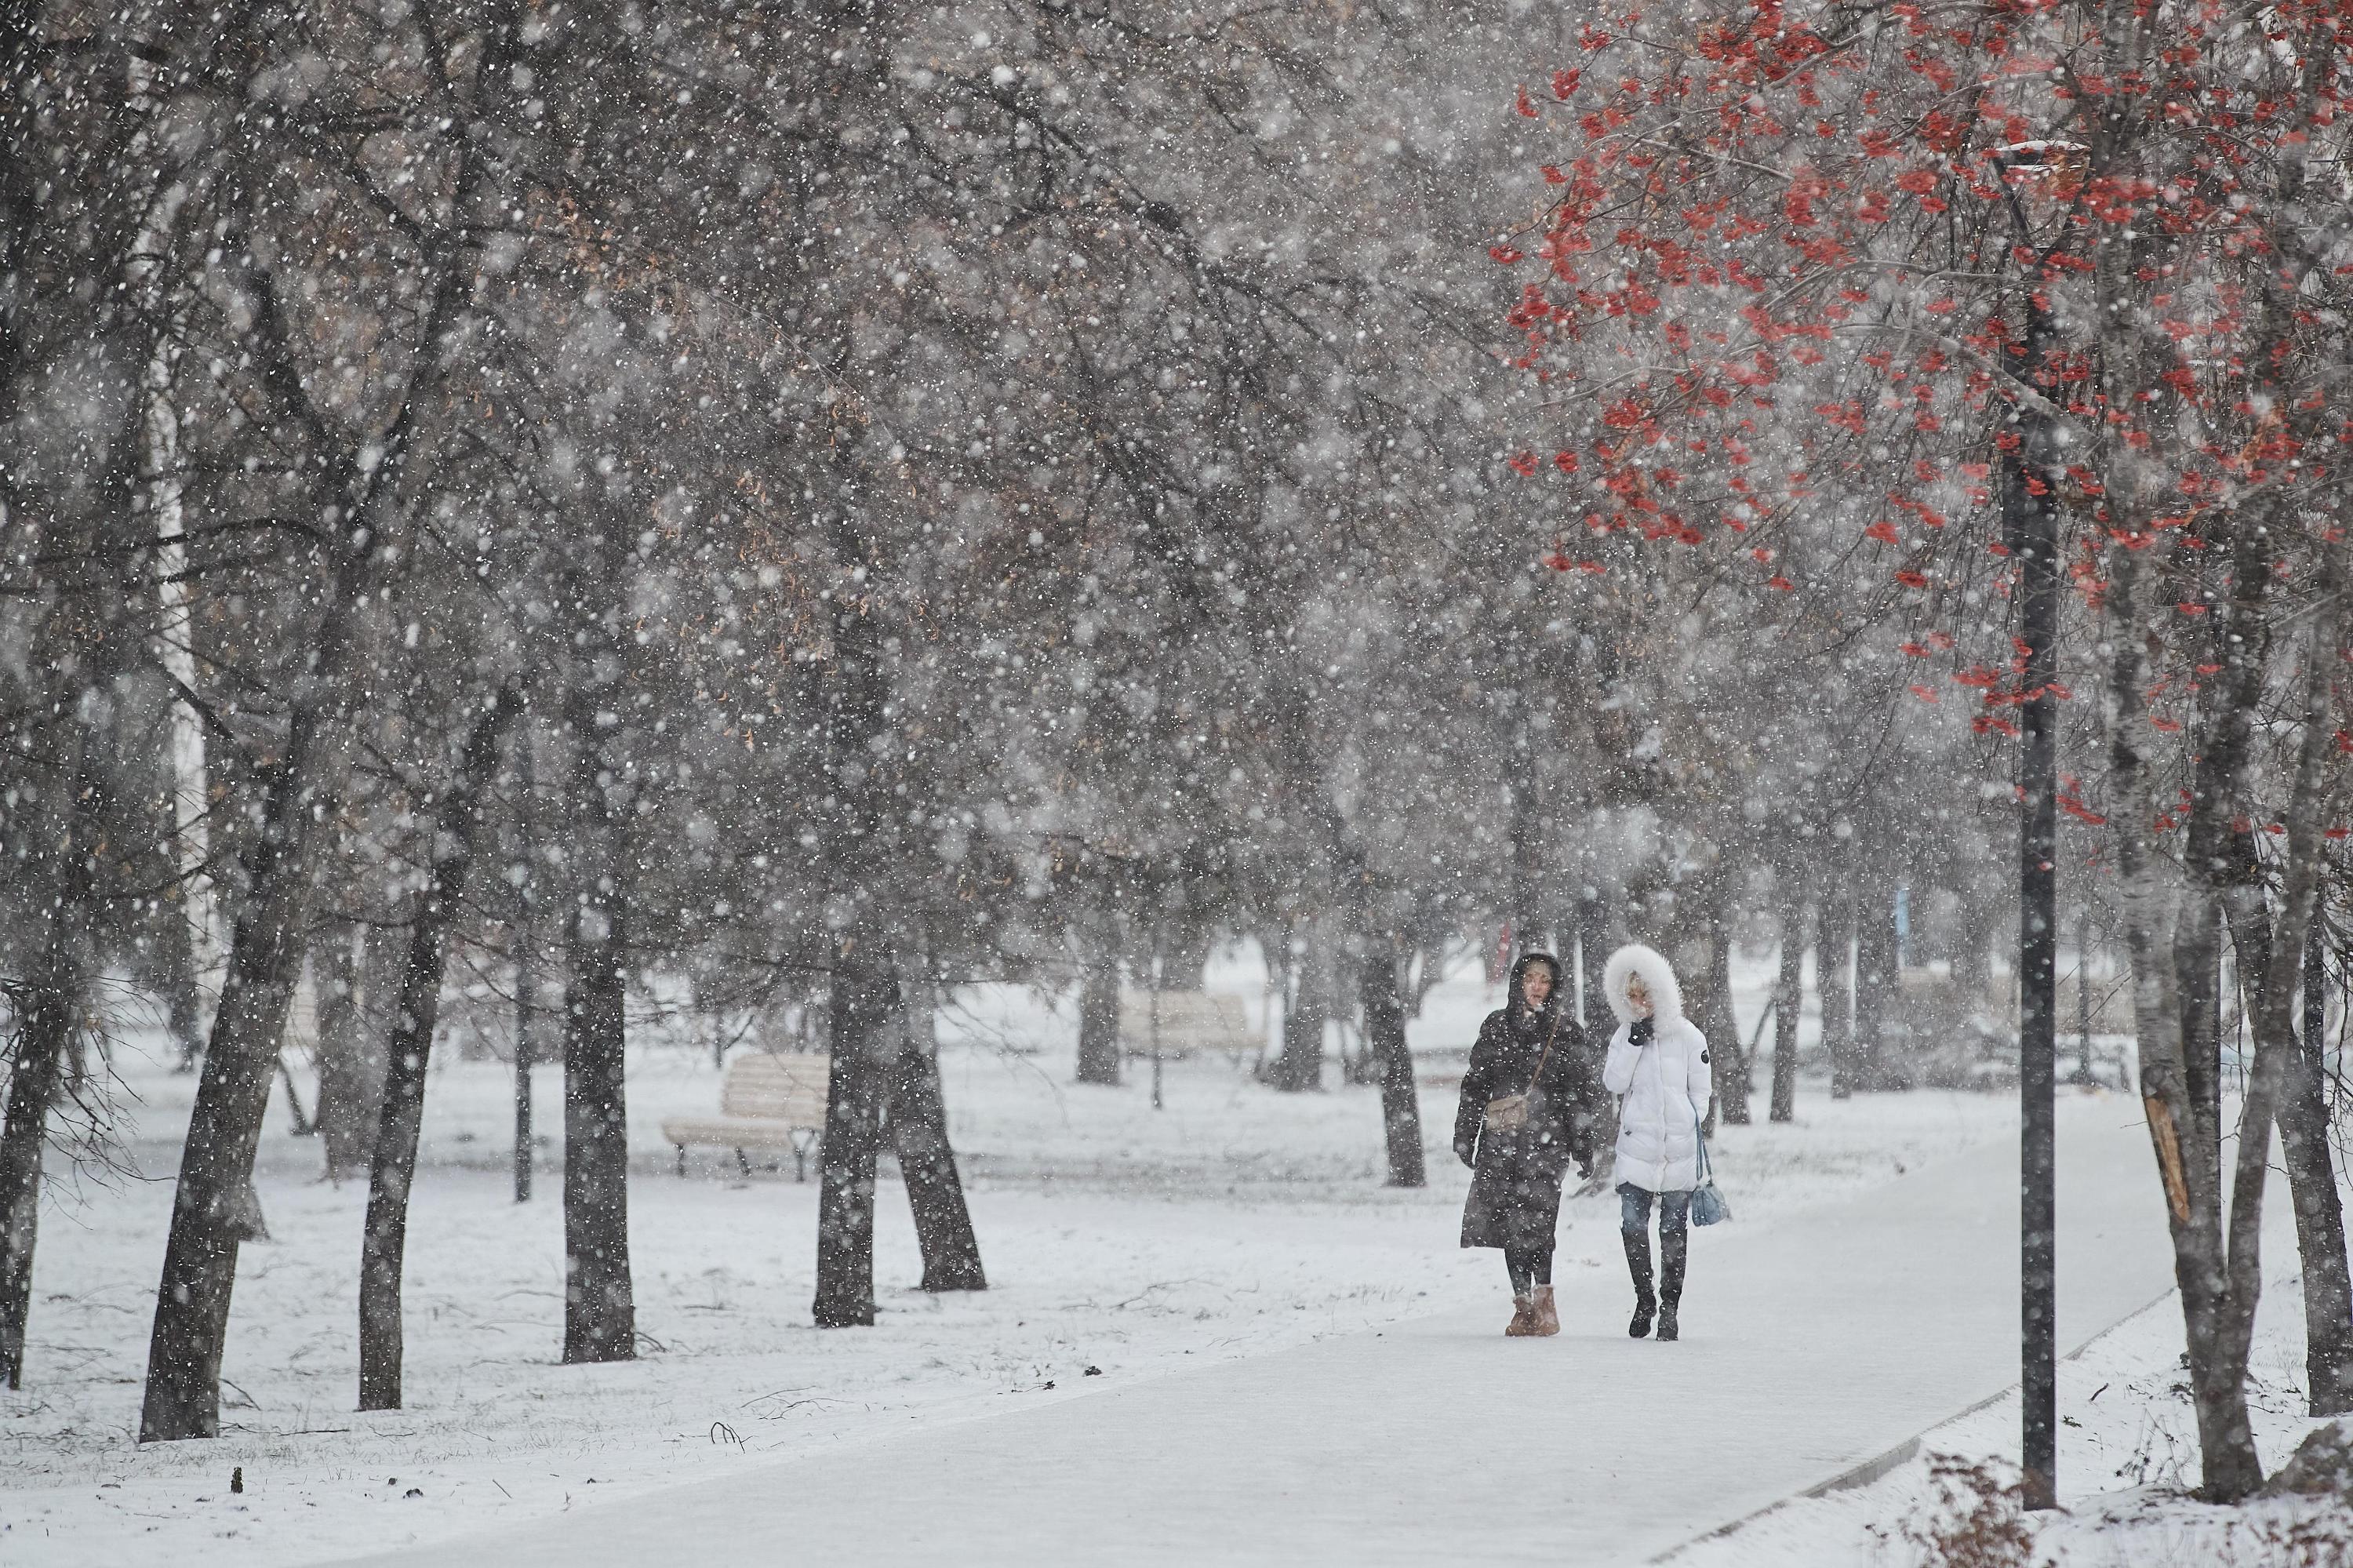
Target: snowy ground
<point>2128,1463</point>
<point>1135,1242</point>
<point>1814,1340</point>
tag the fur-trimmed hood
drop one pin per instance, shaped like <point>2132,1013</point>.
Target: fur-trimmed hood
<point>1657,978</point>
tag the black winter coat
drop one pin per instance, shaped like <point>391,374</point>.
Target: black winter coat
<point>1516,1179</point>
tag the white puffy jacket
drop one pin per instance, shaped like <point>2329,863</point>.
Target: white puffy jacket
<point>1665,1083</point>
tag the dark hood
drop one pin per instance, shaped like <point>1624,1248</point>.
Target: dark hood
<point>1514,1004</point>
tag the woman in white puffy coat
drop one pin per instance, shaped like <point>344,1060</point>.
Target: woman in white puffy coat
<point>1658,1063</point>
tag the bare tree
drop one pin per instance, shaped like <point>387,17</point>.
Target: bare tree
<point>393,1171</point>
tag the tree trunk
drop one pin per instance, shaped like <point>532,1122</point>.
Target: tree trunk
<point>2189,1108</point>
<point>1528,860</point>
<point>526,1157</point>
<point>917,1120</point>
<point>1593,945</point>
<point>394,1166</point>
<point>163,297</point>
<point>1730,1075</point>
<point>526,959</point>
<point>2217,1265</point>
<point>1972,948</point>
<point>1363,1069</point>
<point>300,1125</point>
<point>1789,998</point>
<point>46,1020</point>
<point>211,1206</point>
<point>1300,1065</point>
<point>1099,1019</point>
<point>1376,990</point>
<point>51,1004</point>
<point>183,986</point>
<point>47,1013</point>
<point>2177,1026</point>
<point>211,1212</point>
<point>1186,939</point>
<point>599,1305</point>
<point>864,998</point>
<point>1878,1050</point>
<point>2161,995</point>
<point>1834,971</point>
<point>2240,637</point>
<point>2319,1210</point>
<point>2274,989</point>
<point>351,1067</point>
<point>2303,1119</point>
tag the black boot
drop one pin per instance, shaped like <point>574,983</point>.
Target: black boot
<point>1638,1263</point>
<point>1674,1251</point>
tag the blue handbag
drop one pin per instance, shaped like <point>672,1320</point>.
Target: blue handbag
<point>1707,1204</point>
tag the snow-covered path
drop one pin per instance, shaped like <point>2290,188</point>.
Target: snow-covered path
<point>1810,1346</point>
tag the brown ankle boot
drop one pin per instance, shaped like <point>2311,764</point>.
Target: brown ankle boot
<point>1524,1319</point>
<point>1548,1314</point>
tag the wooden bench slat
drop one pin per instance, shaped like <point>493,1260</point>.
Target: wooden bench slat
<point>1190,1020</point>
<point>809,1109</point>
<point>731,1133</point>
<point>763,1100</point>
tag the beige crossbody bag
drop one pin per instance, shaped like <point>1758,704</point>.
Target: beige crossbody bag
<point>1509,1113</point>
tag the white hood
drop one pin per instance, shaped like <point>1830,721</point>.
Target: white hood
<point>1666,1081</point>
<point>1657,978</point>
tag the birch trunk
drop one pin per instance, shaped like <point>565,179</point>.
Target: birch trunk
<point>149,280</point>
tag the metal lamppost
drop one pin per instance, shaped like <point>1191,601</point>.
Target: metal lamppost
<point>2030,518</point>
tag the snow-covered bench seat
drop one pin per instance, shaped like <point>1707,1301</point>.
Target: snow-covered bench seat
<point>1175,1024</point>
<point>766,1101</point>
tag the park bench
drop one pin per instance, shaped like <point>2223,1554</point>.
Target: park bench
<point>766,1101</point>
<point>1176,1024</point>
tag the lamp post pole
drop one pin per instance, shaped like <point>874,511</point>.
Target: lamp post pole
<point>2031,464</point>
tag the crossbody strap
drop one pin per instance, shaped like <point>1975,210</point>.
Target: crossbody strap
<point>1537,1075</point>
<point>1700,1138</point>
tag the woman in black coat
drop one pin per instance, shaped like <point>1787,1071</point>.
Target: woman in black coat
<point>1531,1046</point>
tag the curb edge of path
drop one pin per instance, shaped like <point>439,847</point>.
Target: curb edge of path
<point>1884,1463</point>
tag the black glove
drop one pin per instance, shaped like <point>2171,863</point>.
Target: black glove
<point>1640,1035</point>
<point>1468,1153</point>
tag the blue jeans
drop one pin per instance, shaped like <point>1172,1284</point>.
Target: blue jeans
<point>1674,1241</point>
<point>1634,1210</point>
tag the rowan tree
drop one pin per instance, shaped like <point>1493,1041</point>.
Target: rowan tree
<point>1843,266</point>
